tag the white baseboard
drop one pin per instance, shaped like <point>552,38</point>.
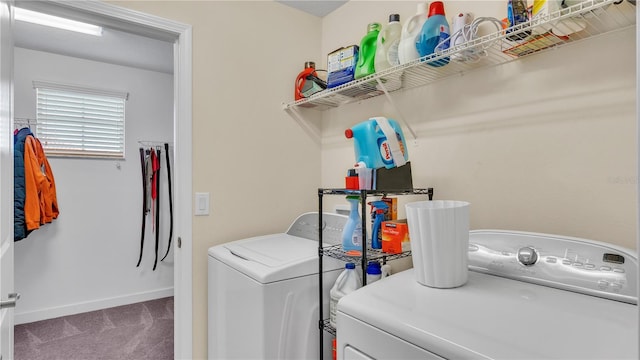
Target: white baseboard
<point>99,304</point>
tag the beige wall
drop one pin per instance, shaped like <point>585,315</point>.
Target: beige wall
<point>543,144</point>
<point>258,164</point>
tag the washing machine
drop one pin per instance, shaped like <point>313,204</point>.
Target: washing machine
<point>528,296</point>
<point>263,292</point>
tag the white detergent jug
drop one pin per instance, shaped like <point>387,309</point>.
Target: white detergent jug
<point>411,29</point>
<point>387,45</point>
<point>545,9</point>
<point>347,282</point>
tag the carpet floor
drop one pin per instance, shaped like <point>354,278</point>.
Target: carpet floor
<point>134,332</point>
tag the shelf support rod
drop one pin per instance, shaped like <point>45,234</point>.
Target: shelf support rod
<point>293,112</point>
<point>320,274</point>
<point>396,109</point>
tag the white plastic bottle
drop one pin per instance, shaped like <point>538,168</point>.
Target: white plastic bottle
<point>374,272</point>
<point>348,281</point>
<point>407,51</point>
<point>387,45</point>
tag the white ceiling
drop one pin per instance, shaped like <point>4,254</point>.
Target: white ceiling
<point>120,47</point>
<point>314,7</point>
<point>115,47</point>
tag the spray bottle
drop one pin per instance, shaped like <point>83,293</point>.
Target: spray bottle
<point>378,210</point>
<point>352,231</point>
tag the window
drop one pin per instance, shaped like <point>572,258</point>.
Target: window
<point>77,121</point>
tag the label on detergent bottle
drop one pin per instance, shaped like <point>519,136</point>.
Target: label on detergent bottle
<point>385,149</point>
<point>444,35</point>
<point>392,53</point>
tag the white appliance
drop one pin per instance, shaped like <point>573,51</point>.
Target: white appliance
<point>529,296</point>
<point>263,292</point>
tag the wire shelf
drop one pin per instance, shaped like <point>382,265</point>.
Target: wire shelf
<point>336,252</point>
<point>326,326</point>
<point>427,191</point>
<point>590,17</point>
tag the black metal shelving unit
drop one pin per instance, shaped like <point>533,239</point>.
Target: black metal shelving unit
<point>335,251</point>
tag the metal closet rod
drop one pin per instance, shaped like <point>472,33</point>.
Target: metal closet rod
<point>154,143</point>
<point>22,120</point>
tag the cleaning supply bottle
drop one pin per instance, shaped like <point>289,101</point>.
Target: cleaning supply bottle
<point>366,59</point>
<point>379,142</point>
<point>411,29</point>
<point>308,82</point>
<point>387,44</point>
<point>352,231</point>
<point>347,282</point>
<point>517,13</point>
<point>378,210</point>
<point>434,36</point>
<point>374,272</point>
<point>386,270</point>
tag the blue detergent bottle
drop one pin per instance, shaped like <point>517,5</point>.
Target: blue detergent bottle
<point>352,232</point>
<point>373,148</point>
<point>434,31</point>
<point>378,210</point>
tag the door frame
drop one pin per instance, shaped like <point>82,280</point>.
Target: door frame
<point>6,181</point>
<point>181,34</point>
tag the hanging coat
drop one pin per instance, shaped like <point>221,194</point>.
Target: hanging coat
<point>19,226</point>
<point>41,203</point>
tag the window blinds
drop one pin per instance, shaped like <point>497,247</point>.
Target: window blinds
<point>76,121</point>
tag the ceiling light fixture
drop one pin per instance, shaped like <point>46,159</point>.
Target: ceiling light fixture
<point>57,22</point>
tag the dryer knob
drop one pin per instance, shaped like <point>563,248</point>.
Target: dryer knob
<point>527,256</point>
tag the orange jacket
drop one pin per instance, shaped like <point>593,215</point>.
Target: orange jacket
<point>41,202</point>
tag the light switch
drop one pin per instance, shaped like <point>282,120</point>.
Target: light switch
<point>202,204</point>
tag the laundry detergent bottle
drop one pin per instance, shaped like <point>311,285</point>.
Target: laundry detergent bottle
<point>366,60</point>
<point>348,281</point>
<point>352,231</point>
<point>434,36</point>
<point>308,82</point>
<point>374,272</point>
<point>379,142</point>
<point>411,29</point>
<point>387,44</point>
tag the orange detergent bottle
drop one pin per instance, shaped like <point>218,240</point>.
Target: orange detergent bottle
<point>308,82</point>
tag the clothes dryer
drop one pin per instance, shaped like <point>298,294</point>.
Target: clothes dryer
<point>529,296</point>
<point>263,292</point>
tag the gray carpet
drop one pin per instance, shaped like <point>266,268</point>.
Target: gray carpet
<point>137,331</point>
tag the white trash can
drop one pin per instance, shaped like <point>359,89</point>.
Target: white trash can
<point>439,232</point>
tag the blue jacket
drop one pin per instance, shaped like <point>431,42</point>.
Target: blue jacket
<point>19,225</point>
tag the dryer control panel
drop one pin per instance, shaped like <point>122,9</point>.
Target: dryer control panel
<point>567,263</point>
<point>306,226</point>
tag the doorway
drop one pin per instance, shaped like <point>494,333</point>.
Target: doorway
<point>180,35</point>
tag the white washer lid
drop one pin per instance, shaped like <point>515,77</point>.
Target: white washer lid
<point>497,318</point>
<point>272,257</point>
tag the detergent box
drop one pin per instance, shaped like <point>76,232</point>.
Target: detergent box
<point>341,65</point>
<point>395,236</point>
